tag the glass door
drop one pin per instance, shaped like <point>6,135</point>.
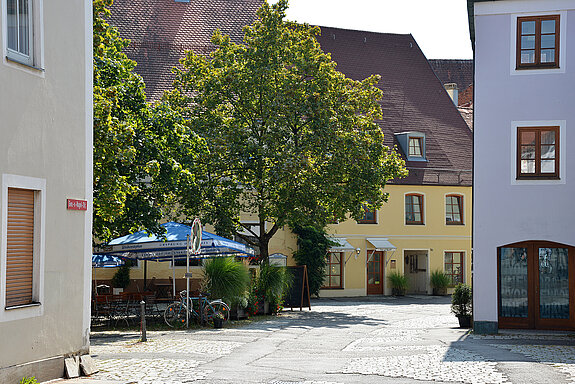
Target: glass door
<point>375,274</point>
<point>536,286</point>
<point>552,300</point>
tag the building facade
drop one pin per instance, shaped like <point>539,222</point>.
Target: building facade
<point>45,185</point>
<point>523,238</point>
<point>426,225</point>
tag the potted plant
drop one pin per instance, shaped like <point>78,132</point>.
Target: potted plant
<point>398,283</point>
<point>218,320</point>
<point>461,304</point>
<point>238,308</point>
<point>272,283</point>
<point>439,282</point>
<point>121,279</point>
<point>225,279</point>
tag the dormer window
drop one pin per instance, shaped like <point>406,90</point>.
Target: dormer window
<point>413,145</point>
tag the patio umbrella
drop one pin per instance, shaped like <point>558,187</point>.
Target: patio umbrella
<point>171,245</point>
<point>143,246</point>
<point>104,261</point>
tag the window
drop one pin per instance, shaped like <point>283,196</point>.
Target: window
<point>194,262</point>
<point>20,247</point>
<point>369,216</point>
<point>333,268</point>
<point>415,147</point>
<point>538,42</point>
<point>413,209</point>
<point>453,209</point>
<point>20,33</point>
<point>538,152</point>
<point>412,144</point>
<point>22,253</point>
<point>453,266</point>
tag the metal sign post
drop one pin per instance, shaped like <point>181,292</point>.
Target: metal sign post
<point>194,245</point>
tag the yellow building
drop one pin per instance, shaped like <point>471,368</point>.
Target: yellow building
<point>426,224</point>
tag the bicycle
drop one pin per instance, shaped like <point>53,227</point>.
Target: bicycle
<point>175,313</point>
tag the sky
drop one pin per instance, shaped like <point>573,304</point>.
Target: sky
<point>439,27</point>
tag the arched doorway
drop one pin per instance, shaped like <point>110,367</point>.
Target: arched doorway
<point>536,282</point>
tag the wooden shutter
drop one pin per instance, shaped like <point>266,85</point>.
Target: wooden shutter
<point>20,247</point>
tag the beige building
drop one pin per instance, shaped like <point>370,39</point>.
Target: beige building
<point>45,185</point>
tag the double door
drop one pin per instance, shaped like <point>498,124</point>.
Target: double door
<point>536,285</point>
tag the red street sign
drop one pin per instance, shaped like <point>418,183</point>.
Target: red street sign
<point>77,205</point>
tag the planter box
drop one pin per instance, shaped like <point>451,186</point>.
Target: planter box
<point>464,321</point>
<point>439,291</point>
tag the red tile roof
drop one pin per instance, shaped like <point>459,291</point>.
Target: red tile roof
<point>454,71</point>
<point>414,100</point>
<point>161,30</point>
<point>466,97</point>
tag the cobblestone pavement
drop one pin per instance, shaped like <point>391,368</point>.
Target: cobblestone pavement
<point>383,340</point>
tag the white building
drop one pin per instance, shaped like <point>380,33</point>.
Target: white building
<point>45,185</point>
<point>524,232</point>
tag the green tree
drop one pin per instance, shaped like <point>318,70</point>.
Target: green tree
<point>138,149</point>
<point>313,245</point>
<point>291,140</point>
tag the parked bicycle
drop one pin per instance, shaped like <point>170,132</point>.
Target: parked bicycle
<point>202,311</point>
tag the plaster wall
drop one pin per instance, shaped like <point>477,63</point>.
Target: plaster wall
<point>46,132</point>
<point>508,210</point>
<point>435,238</point>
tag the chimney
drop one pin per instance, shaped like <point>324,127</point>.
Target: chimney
<point>452,91</point>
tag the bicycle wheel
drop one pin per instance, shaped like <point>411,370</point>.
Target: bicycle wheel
<point>175,315</point>
<point>218,306</point>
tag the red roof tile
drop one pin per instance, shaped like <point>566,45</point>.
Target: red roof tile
<point>414,100</point>
<point>161,30</point>
<point>454,71</point>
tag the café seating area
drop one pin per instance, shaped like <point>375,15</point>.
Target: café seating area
<point>124,309</point>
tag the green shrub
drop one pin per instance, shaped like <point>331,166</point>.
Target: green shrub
<point>28,380</point>
<point>226,279</point>
<point>273,282</point>
<point>121,278</point>
<point>439,279</point>
<point>398,281</point>
<point>461,300</point>
<point>313,245</point>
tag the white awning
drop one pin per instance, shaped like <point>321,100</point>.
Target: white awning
<point>381,244</point>
<point>341,245</point>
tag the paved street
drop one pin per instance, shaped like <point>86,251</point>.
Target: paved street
<point>379,340</point>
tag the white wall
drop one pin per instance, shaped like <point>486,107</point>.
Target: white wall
<point>46,134</point>
<point>505,210</point>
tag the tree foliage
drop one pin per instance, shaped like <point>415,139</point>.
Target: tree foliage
<point>291,140</point>
<point>138,149</point>
<point>313,245</point>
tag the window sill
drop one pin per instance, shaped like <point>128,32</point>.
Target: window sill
<point>332,288</point>
<point>23,306</point>
<point>414,223</point>
<point>537,67</point>
<point>523,178</point>
<point>366,222</point>
<point>15,61</point>
<point>451,223</point>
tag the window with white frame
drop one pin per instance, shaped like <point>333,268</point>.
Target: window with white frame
<point>22,31</point>
<point>453,266</point>
<point>22,247</point>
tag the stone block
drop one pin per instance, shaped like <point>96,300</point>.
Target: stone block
<point>88,365</point>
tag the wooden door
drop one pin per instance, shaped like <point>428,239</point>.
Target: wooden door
<point>536,286</point>
<point>375,275</point>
